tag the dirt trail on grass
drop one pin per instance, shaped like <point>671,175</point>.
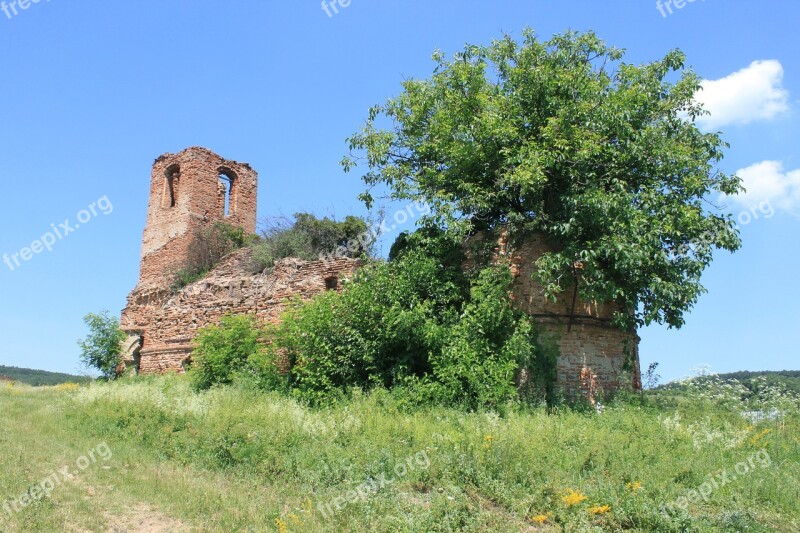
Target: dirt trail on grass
<point>142,519</point>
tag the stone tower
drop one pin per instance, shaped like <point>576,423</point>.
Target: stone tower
<point>191,190</point>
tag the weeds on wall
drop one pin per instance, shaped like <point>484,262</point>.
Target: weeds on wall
<point>210,246</point>
<point>308,237</point>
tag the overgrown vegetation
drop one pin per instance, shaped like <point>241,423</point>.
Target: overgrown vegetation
<point>101,349</point>
<point>210,246</point>
<point>234,349</point>
<point>419,324</point>
<point>304,237</point>
<point>561,137</point>
<point>311,238</point>
<point>236,459</point>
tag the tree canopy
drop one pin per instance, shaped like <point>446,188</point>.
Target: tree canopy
<point>564,138</point>
<point>101,349</point>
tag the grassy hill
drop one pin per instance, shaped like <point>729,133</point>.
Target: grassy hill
<point>150,454</point>
<point>787,380</point>
<point>39,377</point>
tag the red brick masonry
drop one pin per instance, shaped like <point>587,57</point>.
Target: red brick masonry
<point>593,351</point>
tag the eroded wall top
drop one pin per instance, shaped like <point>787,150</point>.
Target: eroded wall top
<point>191,190</point>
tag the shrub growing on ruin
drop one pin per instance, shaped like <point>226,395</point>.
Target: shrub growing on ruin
<point>210,246</point>
<point>310,238</point>
<point>418,322</point>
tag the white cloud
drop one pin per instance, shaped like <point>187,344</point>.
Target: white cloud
<point>767,182</point>
<point>753,93</point>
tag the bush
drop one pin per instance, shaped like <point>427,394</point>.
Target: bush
<point>102,347</point>
<point>210,246</point>
<point>419,322</point>
<point>488,345</point>
<point>232,349</point>
<point>310,238</point>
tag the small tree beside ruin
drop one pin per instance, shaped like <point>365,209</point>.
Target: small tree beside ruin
<point>102,348</point>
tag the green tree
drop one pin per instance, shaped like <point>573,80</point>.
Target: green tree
<point>102,347</point>
<point>563,138</point>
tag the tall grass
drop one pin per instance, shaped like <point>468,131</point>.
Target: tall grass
<point>237,459</point>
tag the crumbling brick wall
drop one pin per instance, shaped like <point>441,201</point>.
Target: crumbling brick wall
<point>187,195</point>
<point>190,191</point>
<point>169,321</point>
<point>596,357</point>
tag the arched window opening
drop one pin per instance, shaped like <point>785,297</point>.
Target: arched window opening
<point>227,192</point>
<point>171,186</point>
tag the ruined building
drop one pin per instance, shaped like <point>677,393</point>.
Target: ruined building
<point>196,188</point>
<point>190,191</point>
<point>596,357</point>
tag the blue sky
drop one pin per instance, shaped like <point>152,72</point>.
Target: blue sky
<point>94,91</point>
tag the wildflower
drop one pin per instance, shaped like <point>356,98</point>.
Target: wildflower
<point>67,387</point>
<point>572,497</point>
<point>756,439</point>
<point>633,486</point>
<point>488,438</point>
<point>600,509</point>
<point>540,519</point>
<point>281,525</point>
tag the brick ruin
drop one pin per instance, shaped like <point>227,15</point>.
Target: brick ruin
<point>596,357</point>
<point>190,191</point>
<point>196,188</point>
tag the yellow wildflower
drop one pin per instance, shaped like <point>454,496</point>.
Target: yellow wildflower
<point>572,497</point>
<point>281,525</point>
<point>600,509</point>
<point>67,387</point>
<point>755,440</point>
<point>540,519</point>
<point>633,486</point>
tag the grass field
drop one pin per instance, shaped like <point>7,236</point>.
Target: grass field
<point>151,455</point>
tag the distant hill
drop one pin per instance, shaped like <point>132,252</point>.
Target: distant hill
<point>38,377</point>
<point>787,379</point>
